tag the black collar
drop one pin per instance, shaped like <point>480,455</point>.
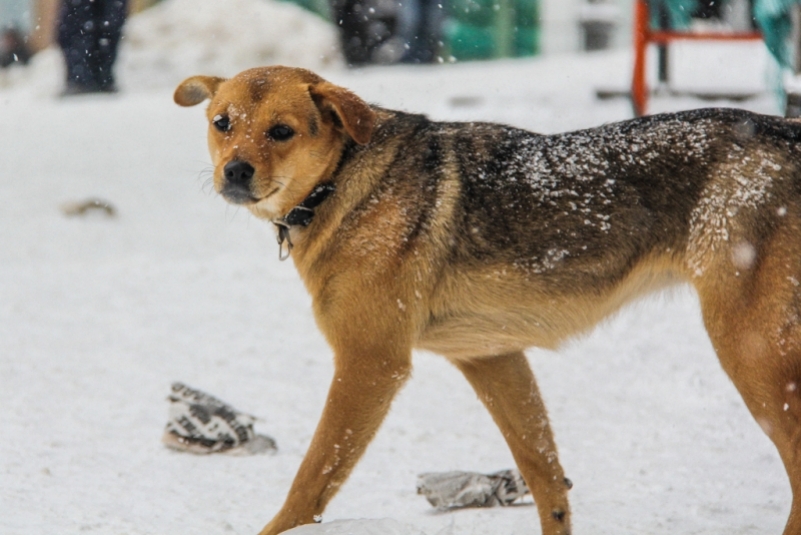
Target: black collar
<point>300,216</point>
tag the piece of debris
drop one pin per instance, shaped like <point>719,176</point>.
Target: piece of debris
<point>200,423</point>
<point>466,101</point>
<point>446,490</point>
<point>80,208</point>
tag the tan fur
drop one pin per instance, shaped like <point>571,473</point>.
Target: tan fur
<point>380,290</point>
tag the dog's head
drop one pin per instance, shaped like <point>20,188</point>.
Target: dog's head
<point>275,133</point>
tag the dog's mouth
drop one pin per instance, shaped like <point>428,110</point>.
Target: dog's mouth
<point>238,195</point>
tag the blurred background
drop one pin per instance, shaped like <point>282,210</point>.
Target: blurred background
<point>122,271</point>
<point>471,29</point>
<point>385,32</point>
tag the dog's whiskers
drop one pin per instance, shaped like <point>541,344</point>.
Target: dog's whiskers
<point>207,177</point>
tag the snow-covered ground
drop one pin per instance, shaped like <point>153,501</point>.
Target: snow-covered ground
<point>99,315</point>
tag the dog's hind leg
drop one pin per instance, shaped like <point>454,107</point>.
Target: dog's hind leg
<point>753,316</point>
<point>506,386</point>
<point>769,380</point>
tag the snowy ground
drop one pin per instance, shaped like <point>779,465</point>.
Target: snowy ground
<point>99,315</point>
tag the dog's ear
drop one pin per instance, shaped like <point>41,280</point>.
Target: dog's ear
<point>349,112</point>
<point>196,89</point>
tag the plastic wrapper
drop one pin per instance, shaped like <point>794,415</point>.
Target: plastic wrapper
<point>200,423</point>
<point>447,490</point>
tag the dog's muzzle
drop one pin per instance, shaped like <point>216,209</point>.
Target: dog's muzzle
<point>238,179</point>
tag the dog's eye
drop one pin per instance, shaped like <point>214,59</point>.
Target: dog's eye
<point>221,123</point>
<point>281,132</point>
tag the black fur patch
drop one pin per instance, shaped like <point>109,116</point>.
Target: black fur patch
<point>257,88</point>
<point>314,128</point>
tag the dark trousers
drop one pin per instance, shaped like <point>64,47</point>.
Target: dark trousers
<point>365,25</point>
<point>89,33</point>
<point>424,33</point>
<point>362,30</point>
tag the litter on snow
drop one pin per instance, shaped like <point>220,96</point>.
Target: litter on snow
<point>200,423</point>
<point>447,490</point>
<point>87,206</point>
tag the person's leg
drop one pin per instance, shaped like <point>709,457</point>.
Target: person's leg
<point>110,19</point>
<point>424,39</point>
<point>76,37</point>
<point>348,16</point>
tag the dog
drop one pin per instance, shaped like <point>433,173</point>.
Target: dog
<point>478,240</point>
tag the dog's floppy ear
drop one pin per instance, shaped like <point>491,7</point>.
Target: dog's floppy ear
<point>196,89</point>
<point>349,112</point>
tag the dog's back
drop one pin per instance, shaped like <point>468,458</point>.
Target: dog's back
<point>539,237</point>
<point>595,202</point>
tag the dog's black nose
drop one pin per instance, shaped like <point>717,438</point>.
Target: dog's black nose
<point>238,173</point>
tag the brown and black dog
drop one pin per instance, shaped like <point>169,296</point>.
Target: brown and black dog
<point>477,241</point>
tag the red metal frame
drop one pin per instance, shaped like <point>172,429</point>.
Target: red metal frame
<point>643,36</point>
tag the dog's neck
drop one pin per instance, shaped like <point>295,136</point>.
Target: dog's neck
<point>303,213</point>
<point>300,216</point>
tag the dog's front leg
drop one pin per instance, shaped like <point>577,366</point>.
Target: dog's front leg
<point>365,382</point>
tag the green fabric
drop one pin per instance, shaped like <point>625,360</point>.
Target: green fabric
<point>679,12</point>
<point>527,14</point>
<point>320,7</point>
<point>472,28</point>
<point>773,17</point>
<point>472,12</point>
<point>468,41</point>
<point>527,41</point>
<point>483,12</point>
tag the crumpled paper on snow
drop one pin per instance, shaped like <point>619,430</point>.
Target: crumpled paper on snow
<point>446,490</point>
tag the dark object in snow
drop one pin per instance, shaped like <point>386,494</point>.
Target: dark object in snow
<point>365,26</point>
<point>793,108</point>
<point>446,490</point>
<point>13,48</point>
<point>89,33</point>
<point>89,205</point>
<point>386,32</point>
<point>200,423</point>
